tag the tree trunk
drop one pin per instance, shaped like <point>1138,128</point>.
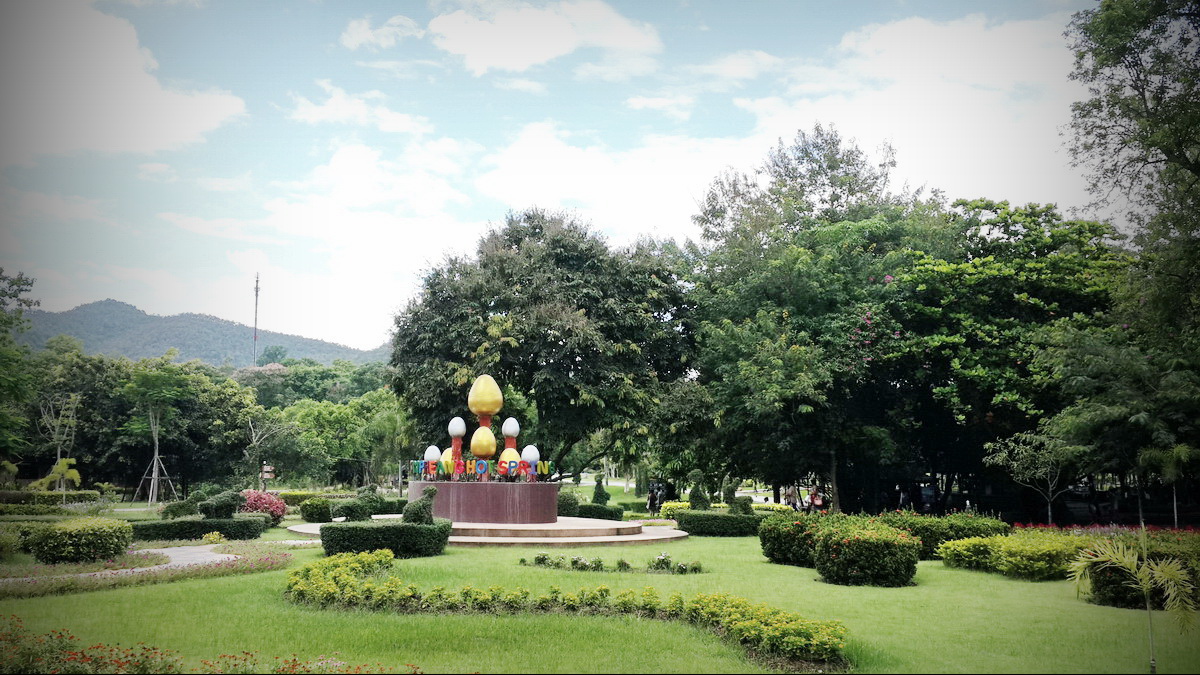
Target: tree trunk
<point>835,503</point>
<point>775,492</point>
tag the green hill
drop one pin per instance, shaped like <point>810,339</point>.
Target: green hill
<point>120,329</point>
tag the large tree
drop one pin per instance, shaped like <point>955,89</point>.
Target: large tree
<point>584,333</point>
<point>14,374</point>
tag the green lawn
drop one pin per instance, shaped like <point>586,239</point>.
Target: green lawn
<point>951,621</point>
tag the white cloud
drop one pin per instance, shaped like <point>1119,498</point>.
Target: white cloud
<point>237,183</point>
<point>677,107</point>
<point>514,37</point>
<point>359,33</point>
<point>157,172</point>
<point>520,84</point>
<point>403,70</point>
<point>74,79</point>
<point>361,109</point>
<point>733,69</point>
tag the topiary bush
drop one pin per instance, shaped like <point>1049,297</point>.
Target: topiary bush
<point>568,504</point>
<point>741,506</point>
<point>729,491</point>
<point>600,511</point>
<point>179,509</point>
<point>222,505</point>
<point>698,496</point>
<point>81,540</point>
<point>316,510</point>
<point>264,502</point>
<point>404,539</point>
<point>866,554</point>
<point>369,496</point>
<point>599,494</point>
<point>196,528</point>
<point>420,512</point>
<point>718,524</point>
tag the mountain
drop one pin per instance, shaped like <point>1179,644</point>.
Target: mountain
<point>120,329</point>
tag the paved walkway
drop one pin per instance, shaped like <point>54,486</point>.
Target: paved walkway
<point>180,556</point>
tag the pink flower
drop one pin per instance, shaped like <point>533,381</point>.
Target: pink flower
<point>889,279</point>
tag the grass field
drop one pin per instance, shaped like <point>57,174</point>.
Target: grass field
<point>951,621</point>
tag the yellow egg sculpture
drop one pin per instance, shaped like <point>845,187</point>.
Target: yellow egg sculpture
<point>510,455</point>
<point>447,461</point>
<point>484,398</point>
<point>483,443</point>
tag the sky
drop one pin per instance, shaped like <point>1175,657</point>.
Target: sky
<point>163,153</point>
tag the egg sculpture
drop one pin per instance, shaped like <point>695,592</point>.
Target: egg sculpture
<point>485,399</point>
<point>530,454</point>
<point>510,458</point>
<point>457,428</point>
<point>432,454</point>
<point>446,463</point>
<point>483,443</point>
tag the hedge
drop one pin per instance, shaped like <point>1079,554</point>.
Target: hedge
<point>866,553</point>
<point>80,540</point>
<point>405,540</point>
<point>32,497</point>
<point>24,530</point>
<point>34,510</point>
<point>1027,554</point>
<point>600,511</point>
<point>1110,586</point>
<point>298,497</point>
<point>635,506</point>
<point>790,538</point>
<point>668,509</point>
<point>195,528</point>
<point>352,509</point>
<point>718,524</point>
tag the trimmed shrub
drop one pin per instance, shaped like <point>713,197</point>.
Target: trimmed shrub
<point>222,505</point>
<point>729,491</point>
<point>34,510</point>
<point>316,510</point>
<point>698,496</point>
<point>370,497</point>
<point>963,525</point>
<point>599,494</point>
<point>420,512</point>
<point>1035,556</point>
<point>933,530</point>
<point>196,528</point>
<point>264,502</point>
<point>48,497</point>
<point>393,506</point>
<point>866,554</point>
<point>790,538</point>
<point>267,521</point>
<point>972,553</point>
<point>351,510</point>
<point>717,524</point>
<point>181,509</point>
<point>568,504</point>
<point>10,544</point>
<point>298,497</point>
<point>741,506</point>
<point>601,511</point>
<point>404,540</point>
<point>25,530</point>
<point>80,540</point>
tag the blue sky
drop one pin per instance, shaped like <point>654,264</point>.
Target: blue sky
<point>162,153</point>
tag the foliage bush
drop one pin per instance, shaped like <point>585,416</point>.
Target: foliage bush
<point>264,502</point>
<point>1034,555</point>
<point>369,495</point>
<point>179,509</point>
<point>866,553</point>
<point>972,553</point>
<point>48,497</point>
<point>568,504</point>
<point>729,491</point>
<point>351,510</point>
<point>1110,586</point>
<point>698,495</point>
<point>403,539</point>
<point>392,506</point>
<point>10,544</point>
<point>316,510</point>
<point>195,528</point>
<point>791,538</point>
<point>34,510</point>
<point>663,563</point>
<point>24,530</point>
<point>600,511</point>
<point>267,521</point>
<point>420,511</point>
<point>354,580</point>
<point>80,540</point>
<point>222,505</point>
<point>718,524</point>
<point>933,530</point>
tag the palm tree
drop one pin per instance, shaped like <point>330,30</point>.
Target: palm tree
<point>1168,575</point>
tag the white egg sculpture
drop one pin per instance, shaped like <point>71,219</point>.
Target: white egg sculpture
<point>530,454</point>
<point>457,428</point>
<point>511,427</point>
<point>432,454</point>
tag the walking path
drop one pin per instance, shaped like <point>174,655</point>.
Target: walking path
<point>180,556</point>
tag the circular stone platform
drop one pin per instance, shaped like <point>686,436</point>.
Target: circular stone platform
<point>491,501</point>
<point>565,532</point>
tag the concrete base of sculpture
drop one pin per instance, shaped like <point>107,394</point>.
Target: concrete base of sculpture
<point>492,501</point>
